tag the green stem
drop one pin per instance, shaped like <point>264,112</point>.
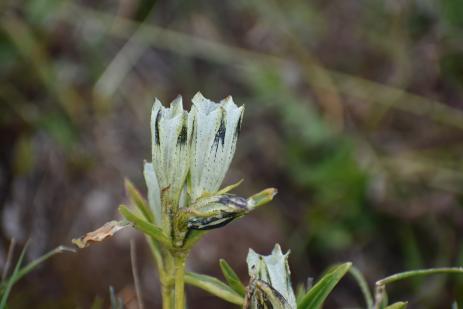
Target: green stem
<point>421,272</point>
<point>166,296</point>
<point>157,257</point>
<point>381,284</point>
<point>179,262</point>
<point>162,259</point>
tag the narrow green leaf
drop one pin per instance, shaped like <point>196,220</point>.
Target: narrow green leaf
<point>145,226</point>
<point>29,267</point>
<point>398,305</point>
<point>20,273</point>
<point>229,188</point>
<point>139,201</point>
<point>315,297</point>
<point>11,280</point>
<point>232,278</point>
<point>362,283</point>
<point>215,287</point>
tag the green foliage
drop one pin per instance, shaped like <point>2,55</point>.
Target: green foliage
<point>232,278</point>
<point>215,287</point>
<point>139,201</point>
<point>145,226</point>
<point>316,295</point>
<point>21,271</point>
<point>399,305</point>
<point>10,282</point>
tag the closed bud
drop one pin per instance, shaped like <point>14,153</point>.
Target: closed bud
<point>215,211</point>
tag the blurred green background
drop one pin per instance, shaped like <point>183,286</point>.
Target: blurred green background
<point>353,111</point>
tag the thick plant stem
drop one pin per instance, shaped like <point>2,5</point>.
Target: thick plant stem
<point>166,297</point>
<point>179,262</point>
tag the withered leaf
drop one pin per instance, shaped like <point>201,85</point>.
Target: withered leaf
<point>100,234</point>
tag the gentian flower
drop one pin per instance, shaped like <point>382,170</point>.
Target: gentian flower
<point>191,153</point>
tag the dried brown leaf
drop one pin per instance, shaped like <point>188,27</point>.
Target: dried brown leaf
<point>100,234</point>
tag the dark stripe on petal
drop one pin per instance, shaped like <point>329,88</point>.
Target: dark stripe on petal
<point>220,135</point>
<point>236,201</point>
<point>183,136</point>
<point>238,126</point>
<point>156,125</point>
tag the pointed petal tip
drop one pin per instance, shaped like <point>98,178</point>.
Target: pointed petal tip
<point>177,101</point>
<point>227,100</point>
<point>198,96</point>
<point>277,248</point>
<point>279,252</point>
<point>251,251</point>
<point>156,103</point>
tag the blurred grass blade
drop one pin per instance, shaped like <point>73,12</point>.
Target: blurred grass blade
<point>136,277</point>
<point>144,226</point>
<point>29,267</point>
<point>398,305</point>
<point>232,278</point>
<point>139,201</point>
<point>362,283</point>
<point>116,302</point>
<point>315,297</point>
<point>9,257</point>
<point>13,278</point>
<point>29,47</point>
<point>215,287</point>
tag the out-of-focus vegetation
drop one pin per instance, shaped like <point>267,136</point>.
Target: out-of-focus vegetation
<point>354,112</point>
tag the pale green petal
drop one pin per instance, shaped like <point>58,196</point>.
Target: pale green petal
<point>204,121</point>
<point>154,196</point>
<point>170,147</point>
<point>183,200</point>
<point>214,129</point>
<point>223,149</point>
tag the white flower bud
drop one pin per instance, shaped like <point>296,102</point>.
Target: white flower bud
<point>270,285</point>
<point>216,211</point>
